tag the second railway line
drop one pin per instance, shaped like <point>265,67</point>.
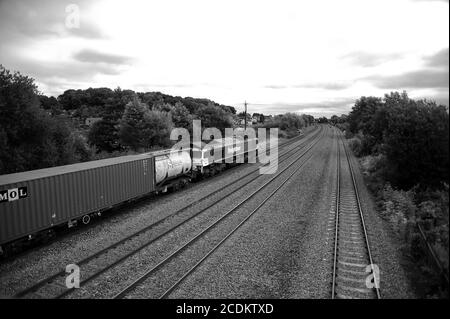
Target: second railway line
<point>352,259</point>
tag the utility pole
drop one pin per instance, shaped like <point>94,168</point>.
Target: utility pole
<point>245,116</point>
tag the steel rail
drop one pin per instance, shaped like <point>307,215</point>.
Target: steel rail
<point>338,173</point>
<point>364,228</point>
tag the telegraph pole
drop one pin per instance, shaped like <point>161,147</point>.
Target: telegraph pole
<point>245,116</point>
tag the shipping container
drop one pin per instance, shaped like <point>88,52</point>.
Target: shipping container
<point>36,200</point>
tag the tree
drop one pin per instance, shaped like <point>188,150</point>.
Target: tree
<point>415,141</point>
<point>163,107</point>
<point>72,99</point>
<point>141,128</point>
<point>131,123</point>
<point>412,135</point>
<point>367,118</point>
<point>156,129</point>
<point>334,119</point>
<point>181,116</point>
<point>213,116</point>
<point>360,118</point>
<point>287,122</point>
<point>322,119</point>
<point>51,104</point>
<point>105,136</point>
<point>30,137</point>
<point>80,148</point>
<point>308,119</point>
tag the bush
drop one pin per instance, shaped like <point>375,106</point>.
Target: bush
<point>105,136</point>
<point>355,145</point>
<point>372,167</point>
<point>291,133</point>
<point>348,134</point>
<point>399,208</point>
<point>287,122</point>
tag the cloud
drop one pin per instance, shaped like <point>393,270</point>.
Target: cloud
<point>44,19</point>
<point>415,79</point>
<point>64,72</point>
<point>276,87</point>
<point>366,59</point>
<point>440,96</point>
<point>339,85</point>
<point>434,75</point>
<point>322,108</point>
<point>87,30</point>
<point>430,0</point>
<point>92,56</point>
<point>440,59</point>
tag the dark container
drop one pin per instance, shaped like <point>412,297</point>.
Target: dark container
<point>36,200</point>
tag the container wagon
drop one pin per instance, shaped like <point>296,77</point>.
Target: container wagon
<point>32,203</point>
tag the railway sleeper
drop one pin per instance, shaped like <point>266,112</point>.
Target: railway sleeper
<point>350,244</point>
<point>349,222</point>
<point>348,208</point>
<point>352,273</point>
<point>361,267</point>
<point>356,259</point>
<point>351,251</point>
<point>345,254</point>
<point>350,236</point>
<point>351,282</point>
<point>350,229</point>
<point>350,219</point>
<point>51,289</point>
<point>361,293</point>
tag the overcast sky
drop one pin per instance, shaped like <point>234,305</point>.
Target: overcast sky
<point>312,57</point>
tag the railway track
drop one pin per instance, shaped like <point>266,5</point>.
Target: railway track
<point>107,258</point>
<point>232,220</point>
<point>352,258</point>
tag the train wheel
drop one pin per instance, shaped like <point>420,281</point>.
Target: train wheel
<point>48,235</point>
<point>86,219</point>
<point>7,251</point>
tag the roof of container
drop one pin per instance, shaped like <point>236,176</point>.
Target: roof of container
<point>59,170</point>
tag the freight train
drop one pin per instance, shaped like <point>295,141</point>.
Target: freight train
<point>34,203</point>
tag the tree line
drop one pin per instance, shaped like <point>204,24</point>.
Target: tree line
<point>37,131</point>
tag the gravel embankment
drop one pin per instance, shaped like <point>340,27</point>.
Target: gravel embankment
<point>271,256</point>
